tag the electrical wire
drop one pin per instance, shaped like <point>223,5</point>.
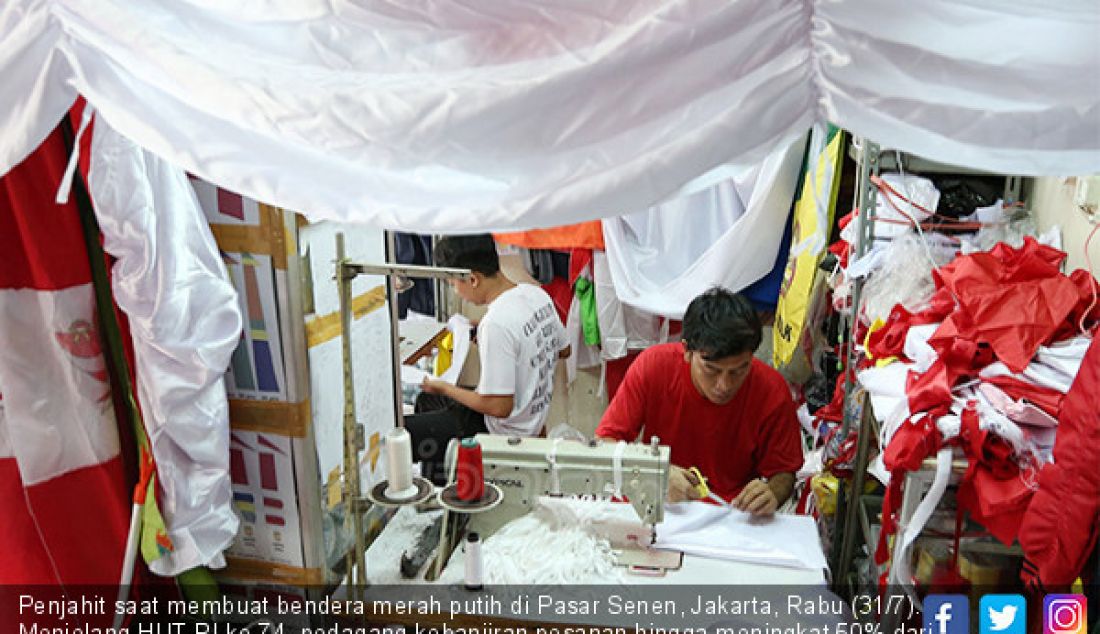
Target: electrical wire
<point>908,199</point>
<point>1092,286</point>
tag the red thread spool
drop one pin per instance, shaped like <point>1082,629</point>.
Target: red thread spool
<point>470,485</point>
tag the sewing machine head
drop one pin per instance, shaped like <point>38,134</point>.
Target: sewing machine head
<point>527,468</point>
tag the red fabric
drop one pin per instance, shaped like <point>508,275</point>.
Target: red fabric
<point>30,189</point>
<point>561,292</point>
<point>72,528</point>
<point>841,251</point>
<point>889,340</point>
<point>992,489</point>
<point>616,372</point>
<point>1012,299</point>
<point>834,411</point>
<point>1086,284</point>
<point>1047,399</point>
<point>578,260</point>
<point>1001,305</point>
<point>1060,526</point>
<point>755,434</point>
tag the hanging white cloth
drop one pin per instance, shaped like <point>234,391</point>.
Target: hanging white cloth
<point>442,117</point>
<point>622,328</point>
<point>663,257</point>
<point>170,281</point>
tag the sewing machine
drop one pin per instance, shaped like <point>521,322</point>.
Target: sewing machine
<point>526,468</point>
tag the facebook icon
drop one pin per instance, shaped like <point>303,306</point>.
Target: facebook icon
<point>946,614</point>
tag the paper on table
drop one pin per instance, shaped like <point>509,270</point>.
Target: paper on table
<point>707,530</point>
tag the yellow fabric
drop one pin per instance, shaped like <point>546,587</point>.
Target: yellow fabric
<point>878,362</point>
<point>798,280</point>
<point>443,359</point>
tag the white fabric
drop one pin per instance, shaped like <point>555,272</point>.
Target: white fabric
<point>622,328</point>
<point>900,569</point>
<point>719,532</point>
<point>171,282</point>
<point>664,257</point>
<point>1054,366</point>
<point>886,387</point>
<point>920,192</point>
<point>563,530</point>
<point>582,355</point>
<point>917,347</point>
<point>53,375</point>
<point>5,442</point>
<point>434,116</point>
<point>518,340</point>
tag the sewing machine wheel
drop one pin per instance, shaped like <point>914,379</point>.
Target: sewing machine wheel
<point>448,499</point>
<point>378,496</point>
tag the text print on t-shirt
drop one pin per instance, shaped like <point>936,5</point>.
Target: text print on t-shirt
<point>541,326</point>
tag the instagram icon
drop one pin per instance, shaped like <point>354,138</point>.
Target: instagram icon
<point>1064,614</point>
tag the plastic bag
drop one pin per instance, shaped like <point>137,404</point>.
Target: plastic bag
<point>905,276</point>
<point>565,431</point>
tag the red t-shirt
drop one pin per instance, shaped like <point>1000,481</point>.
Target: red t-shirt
<point>755,434</point>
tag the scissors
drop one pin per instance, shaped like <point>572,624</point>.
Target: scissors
<point>704,491</point>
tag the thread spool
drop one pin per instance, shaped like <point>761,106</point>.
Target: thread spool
<point>472,580</point>
<point>470,484</point>
<point>399,464</point>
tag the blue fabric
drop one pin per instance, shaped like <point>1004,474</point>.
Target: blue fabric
<point>764,292</point>
<point>415,249</point>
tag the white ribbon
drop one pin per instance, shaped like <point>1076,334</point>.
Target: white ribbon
<point>74,158</point>
<point>900,572</point>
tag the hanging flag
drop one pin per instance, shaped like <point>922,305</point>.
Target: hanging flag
<point>813,218</point>
<point>64,501</point>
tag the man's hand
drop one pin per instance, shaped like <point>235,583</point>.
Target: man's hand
<point>432,386</point>
<point>681,485</point>
<point>756,498</point>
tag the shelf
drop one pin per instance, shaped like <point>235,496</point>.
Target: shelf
<point>888,163</point>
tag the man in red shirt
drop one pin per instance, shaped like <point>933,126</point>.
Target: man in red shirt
<point>717,407</point>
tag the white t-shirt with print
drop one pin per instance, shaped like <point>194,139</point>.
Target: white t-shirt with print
<point>518,340</point>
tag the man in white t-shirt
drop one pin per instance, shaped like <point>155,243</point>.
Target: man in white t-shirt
<point>519,339</point>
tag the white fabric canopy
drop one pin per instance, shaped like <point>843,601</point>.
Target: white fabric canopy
<point>444,116</point>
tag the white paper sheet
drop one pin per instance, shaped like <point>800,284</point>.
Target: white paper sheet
<point>707,530</point>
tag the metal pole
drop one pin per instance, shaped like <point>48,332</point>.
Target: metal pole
<point>395,338</point>
<point>859,472</point>
<point>866,196</point>
<point>353,432</point>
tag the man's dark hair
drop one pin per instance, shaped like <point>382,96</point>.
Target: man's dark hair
<point>721,324</point>
<point>477,253</point>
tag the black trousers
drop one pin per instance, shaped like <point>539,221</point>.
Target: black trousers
<point>438,420</point>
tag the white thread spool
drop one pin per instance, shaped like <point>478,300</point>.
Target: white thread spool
<point>399,464</point>
<point>472,579</point>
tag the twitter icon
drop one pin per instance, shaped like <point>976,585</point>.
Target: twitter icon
<point>1003,614</point>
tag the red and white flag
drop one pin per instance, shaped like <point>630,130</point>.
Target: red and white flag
<point>64,501</point>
